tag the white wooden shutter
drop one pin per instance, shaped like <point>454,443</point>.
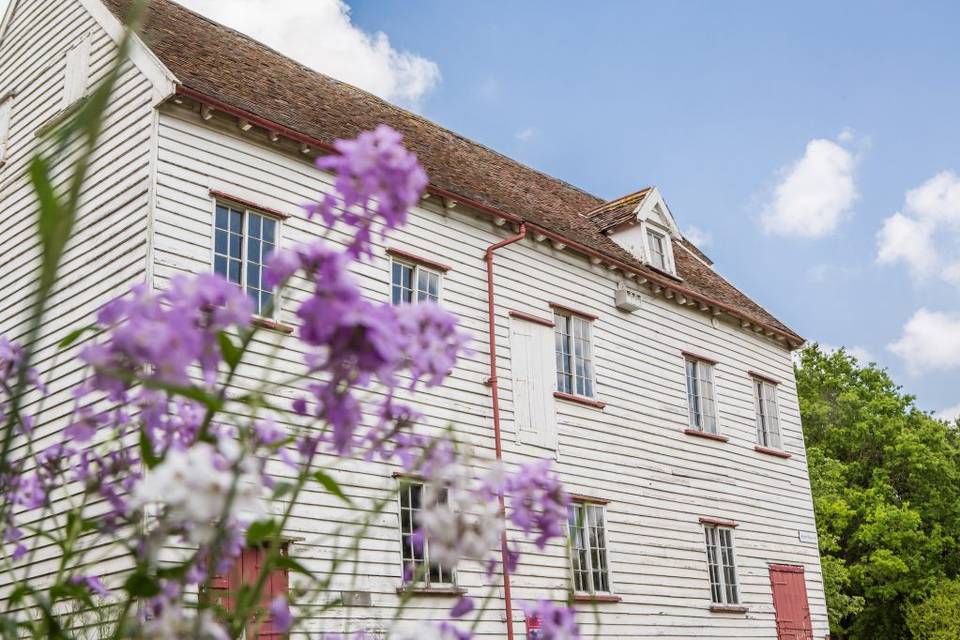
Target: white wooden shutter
<point>77,72</point>
<point>532,364</point>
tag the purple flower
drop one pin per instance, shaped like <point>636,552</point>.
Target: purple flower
<point>462,607</point>
<point>377,180</point>
<point>537,501</point>
<point>556,622</point>
<point>280,614</point>
<point>91,583</point>
<point>430,341</point>
<point>266,432</point>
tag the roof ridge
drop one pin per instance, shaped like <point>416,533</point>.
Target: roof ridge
<point>386,103</point>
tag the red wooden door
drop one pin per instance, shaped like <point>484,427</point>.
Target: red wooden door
<point>790,602</point>
<point>245,571</point>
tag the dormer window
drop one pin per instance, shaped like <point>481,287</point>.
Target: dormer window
<point>656,244</point>
<point>642,224</point>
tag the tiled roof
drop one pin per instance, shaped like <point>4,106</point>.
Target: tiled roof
<point>227,66</point>
<point>616,212</point>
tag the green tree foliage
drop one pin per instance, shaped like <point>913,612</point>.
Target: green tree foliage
<point>886,488</point>
<point>937,617</point>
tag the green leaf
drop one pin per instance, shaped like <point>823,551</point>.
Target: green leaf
<point>330,485</point>
<point>231,352</point>
<point>140,585</point>
<point>147,454</point>
<point>68,591</point>
<point>288,563</point>
<point>281,489</point>
<point>75,335</point>
<point>20,592</point>
<point>261,531</point>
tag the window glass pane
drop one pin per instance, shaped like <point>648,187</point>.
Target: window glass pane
<point>221,217</point>
<point>713,564</point>
<point>253,226</point>
<point>562,339</point>
<point>220,265</point>
<point>234,271</point>
<point>236,222</point>
<point>729,567</point>
<point>693,395</point>
<point>234,245</point>
<point>269,230</point>
<point>401,283</point>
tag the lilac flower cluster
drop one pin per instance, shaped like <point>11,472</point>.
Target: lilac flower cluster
<point>378,181</point>
<point>158,337</point>
<point>356,342</point>
<point>557,622</point>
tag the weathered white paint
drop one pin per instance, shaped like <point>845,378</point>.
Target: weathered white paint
<point>108,252</point>
<point>632,452</point>
<point>148,215</point>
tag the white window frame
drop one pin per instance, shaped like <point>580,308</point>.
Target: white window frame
<point>586,507</point>
<point>6,118</point>
<point>416,269</point>
<point>245,212</point>
<point>765,394</point>
<point>722,583</point>
<point>647,227</point>
<point>406,484</point>
<point>570,339</point>
<point>701,365</point>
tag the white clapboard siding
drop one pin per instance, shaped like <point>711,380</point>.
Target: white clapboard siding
<point>633,453</point>
<point>108,252</point>
<point>148,215</point>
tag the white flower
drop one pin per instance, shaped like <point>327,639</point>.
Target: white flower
<point>194,485</point>
<point>173,623</point>
<point>457,522</point>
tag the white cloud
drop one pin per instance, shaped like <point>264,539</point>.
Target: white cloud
<point>931,214</point>
<point>907,240</point>
<point>950,413</point>
<point>815,193</point>
<point>698,236</point>
<point>320,35</point>
<point>937,199</point>
<point>525,135</point>
<point>930,342</point>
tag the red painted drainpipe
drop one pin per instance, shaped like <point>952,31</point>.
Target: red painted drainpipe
<point>495,388</point>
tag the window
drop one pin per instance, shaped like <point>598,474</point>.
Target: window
<point>225,588</point>
<point>574,351</point>
<point>417,567</point>
<point>588,548</point>
<point>410,282</point>
<point>656,242</point>
<point>768,419</point>
<point>6,105</point>
<point>76,72</point>
<point>722,566</point>
<point>700,395</point>
<point>243,240</point>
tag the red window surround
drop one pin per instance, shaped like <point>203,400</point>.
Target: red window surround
<point>562,307</point>
<point>412,257</point>
<point>532,318</point>
<point>245,571</point>
<point>763,376</point>
<point>696,356</point>
<point>706,434</point>
<point>248,204</point>
<point>717,522</point>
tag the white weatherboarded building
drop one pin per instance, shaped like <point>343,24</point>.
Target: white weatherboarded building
<point>666,396</point>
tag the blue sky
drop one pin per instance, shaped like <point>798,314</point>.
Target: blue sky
<point>715,103</point>
<point>814,146</point>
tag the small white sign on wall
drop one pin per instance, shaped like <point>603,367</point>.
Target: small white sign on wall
<point>807,537</point>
